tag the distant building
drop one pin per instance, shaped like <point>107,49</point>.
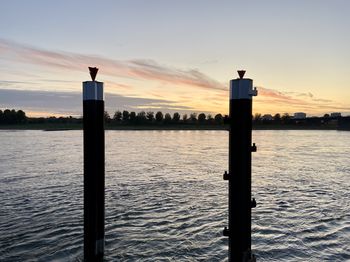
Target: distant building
<point>267,117</point>
<point>299,115</point>
<point>336,114</point>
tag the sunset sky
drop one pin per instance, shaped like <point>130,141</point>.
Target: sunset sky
<point>175,55</point>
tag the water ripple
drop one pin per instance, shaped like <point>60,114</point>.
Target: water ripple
<point>165,198</point>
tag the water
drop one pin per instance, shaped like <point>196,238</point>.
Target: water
<point>166,200</point>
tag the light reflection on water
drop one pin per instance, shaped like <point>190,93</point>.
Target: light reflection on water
<point>166,200</point>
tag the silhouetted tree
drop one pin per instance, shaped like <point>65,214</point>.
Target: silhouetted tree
<point>52,119</point>
<point>167,118</point>
<point>193,117</point>
<point>141,117</point>
<point>117,116</point>
<point>277,118</point>
<point>159,116</point>
<point>326,118</point>
<point>132,117</point>
<point>210,119</point>
<point>150,116</point>
<point>176,117</point>
<point>285,118</point>
<point>13,116</point>
<point>184,118</point>
<point>219,119</point>
<point>21,116</point>
<point>9,116</point>
<point>257,118</point>
<point>201,118</point>
<point>62,119</point>
<point>107,117</point>
<point>125,116</point>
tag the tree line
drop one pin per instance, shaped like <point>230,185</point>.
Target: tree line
<point>286,119</point>
<point>150,117</point>
<point>120,117</point>
<point>276,119</point>
<point>12,117</point>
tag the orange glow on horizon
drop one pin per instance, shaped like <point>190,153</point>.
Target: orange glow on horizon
<point>47,114</point>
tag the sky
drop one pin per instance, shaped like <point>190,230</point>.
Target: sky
<point>175,56</point>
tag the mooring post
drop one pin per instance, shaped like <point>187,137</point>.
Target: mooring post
<point>239,175</point>
<point>94,168</point>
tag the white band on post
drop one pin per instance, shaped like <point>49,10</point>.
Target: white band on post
<point>93,90</point>
<point>242,89</point>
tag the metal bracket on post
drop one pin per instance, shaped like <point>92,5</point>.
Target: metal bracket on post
<point>253,92</point>
<point>253,148</point>
<point>226,176</point>
<point>225,232</point>
<point>249,256</point>
<point>253,202</point>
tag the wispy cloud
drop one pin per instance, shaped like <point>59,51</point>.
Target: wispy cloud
<point>135,69</point>
<point>323,100</point>
<point>299,101</point>
<point>308,94</point>
<point>163,75</point>
<point>279,96</point>
<point>154,106</point>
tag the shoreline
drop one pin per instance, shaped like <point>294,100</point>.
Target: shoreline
<point>67,127</point>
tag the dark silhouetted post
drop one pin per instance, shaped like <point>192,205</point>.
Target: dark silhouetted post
<point>94,168</point>
<point>239,176</point>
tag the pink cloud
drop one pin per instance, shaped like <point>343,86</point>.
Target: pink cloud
<point>152,71</point>
<point>136,69</point>
<point>297,101</point>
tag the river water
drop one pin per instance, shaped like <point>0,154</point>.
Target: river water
<point>166,200</point>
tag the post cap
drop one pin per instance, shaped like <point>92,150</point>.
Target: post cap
<point>241,73</point>
<point>93,72</point>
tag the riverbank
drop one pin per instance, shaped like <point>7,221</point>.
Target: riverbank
<point>77,126</point>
